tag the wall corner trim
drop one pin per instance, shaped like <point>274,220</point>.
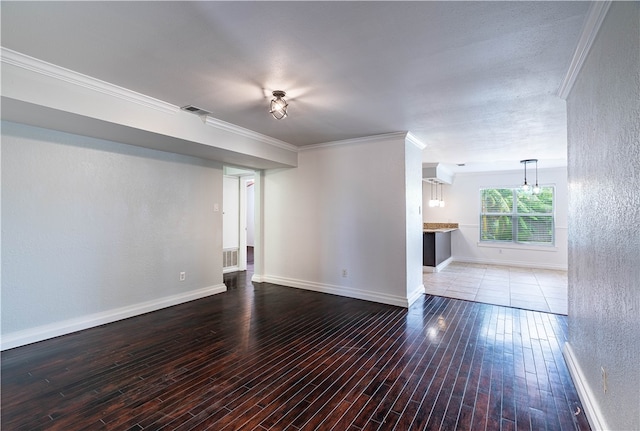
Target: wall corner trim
<point>415,141</point>
<point>589,404</point>
<point>40,333</point>
<point>597,12</point>
<point>257,278</point>
<point>416,294</point>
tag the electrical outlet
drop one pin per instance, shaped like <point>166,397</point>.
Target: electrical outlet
<point>604,379</point>
<point>344,273</point>
<point>183,276</point>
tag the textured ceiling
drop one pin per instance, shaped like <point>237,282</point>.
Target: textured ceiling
<point>475,81</point>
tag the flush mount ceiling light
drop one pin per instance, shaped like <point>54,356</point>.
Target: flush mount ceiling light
<point>525,186</point>
<point>278,106</point>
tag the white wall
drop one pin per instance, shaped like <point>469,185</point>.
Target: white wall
<point>413,225</point>
<point>462,205</point>
<point>231,212</point>
<point>251,214</point>
<point>604,212</point>
<point>344,208</point>
<point>94,231</point>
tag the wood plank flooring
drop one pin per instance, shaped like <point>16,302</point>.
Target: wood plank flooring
<point>275,358</point>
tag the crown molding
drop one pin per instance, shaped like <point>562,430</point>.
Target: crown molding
<point>373,138</point>
<point>32,64</point>
<point>415,141</point>
<point>14,58</point>
<point>223,125</point>
<point>596,14</point>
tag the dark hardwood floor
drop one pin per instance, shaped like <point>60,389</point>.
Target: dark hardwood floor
<point>271,357</point>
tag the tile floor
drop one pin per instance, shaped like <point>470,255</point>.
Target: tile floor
<point>527,288</point>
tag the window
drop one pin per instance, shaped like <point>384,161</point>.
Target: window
<point>512,215</point>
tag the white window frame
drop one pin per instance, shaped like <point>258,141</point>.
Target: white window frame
<point>514,215</point>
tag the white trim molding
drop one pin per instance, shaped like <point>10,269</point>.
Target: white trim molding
<point>32,64</point>
<point>256,278</point>
<point>439,267</point>
<point>348,292</point>
<point>589,404</point>
<point>365,139</point>
<point>33,335</point>
<point>415,141</point>
<point>223,125</point>
<point>415,295</point>
<point>597,12</point>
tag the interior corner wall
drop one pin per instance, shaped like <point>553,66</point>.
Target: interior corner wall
<point>337,222</point>
<point>94,230</point>
<point>413,235</point>
<point>462,206</point>
<point>603,112</point>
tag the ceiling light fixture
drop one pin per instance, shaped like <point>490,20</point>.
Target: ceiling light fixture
<point>433,202</point>
<point>525,186</point>
<point>278,106</point>
<point>436,202</point>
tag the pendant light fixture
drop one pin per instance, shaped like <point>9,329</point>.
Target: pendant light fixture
<point>536,188</point>
<point>433,202</point>
<point>525,186</point>
<point>278,106</point>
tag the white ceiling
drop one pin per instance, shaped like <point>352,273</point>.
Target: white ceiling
<point>475,81</point>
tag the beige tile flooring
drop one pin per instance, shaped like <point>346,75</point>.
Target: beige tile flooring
<point>528,288</point>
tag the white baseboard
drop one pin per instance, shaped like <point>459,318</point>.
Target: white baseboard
<point>438,268</point>
<point>39,333</point>
<point>415,295</point>
<point>589,403</point>
<point>514,263</point>
<point>349,292</point>
<point>229,269</point>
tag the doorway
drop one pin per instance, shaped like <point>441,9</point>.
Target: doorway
<point>238,219</point>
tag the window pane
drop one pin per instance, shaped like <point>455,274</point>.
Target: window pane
<point>497,201</point>
<point>496,228</point>
<point>535,229</point>
<point>541,203</point>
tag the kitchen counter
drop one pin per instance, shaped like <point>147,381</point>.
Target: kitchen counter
<point>436,245</point>
<point>438,227</point>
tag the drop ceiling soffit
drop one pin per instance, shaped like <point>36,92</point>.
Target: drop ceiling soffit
<point>14,58</point>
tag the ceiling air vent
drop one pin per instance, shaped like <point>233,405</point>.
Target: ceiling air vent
<point>195,110</point>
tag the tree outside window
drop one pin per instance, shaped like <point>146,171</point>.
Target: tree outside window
<point>512,215</point>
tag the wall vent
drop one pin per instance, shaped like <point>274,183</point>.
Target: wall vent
<point>195,110</point>
<point>229,258</point>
